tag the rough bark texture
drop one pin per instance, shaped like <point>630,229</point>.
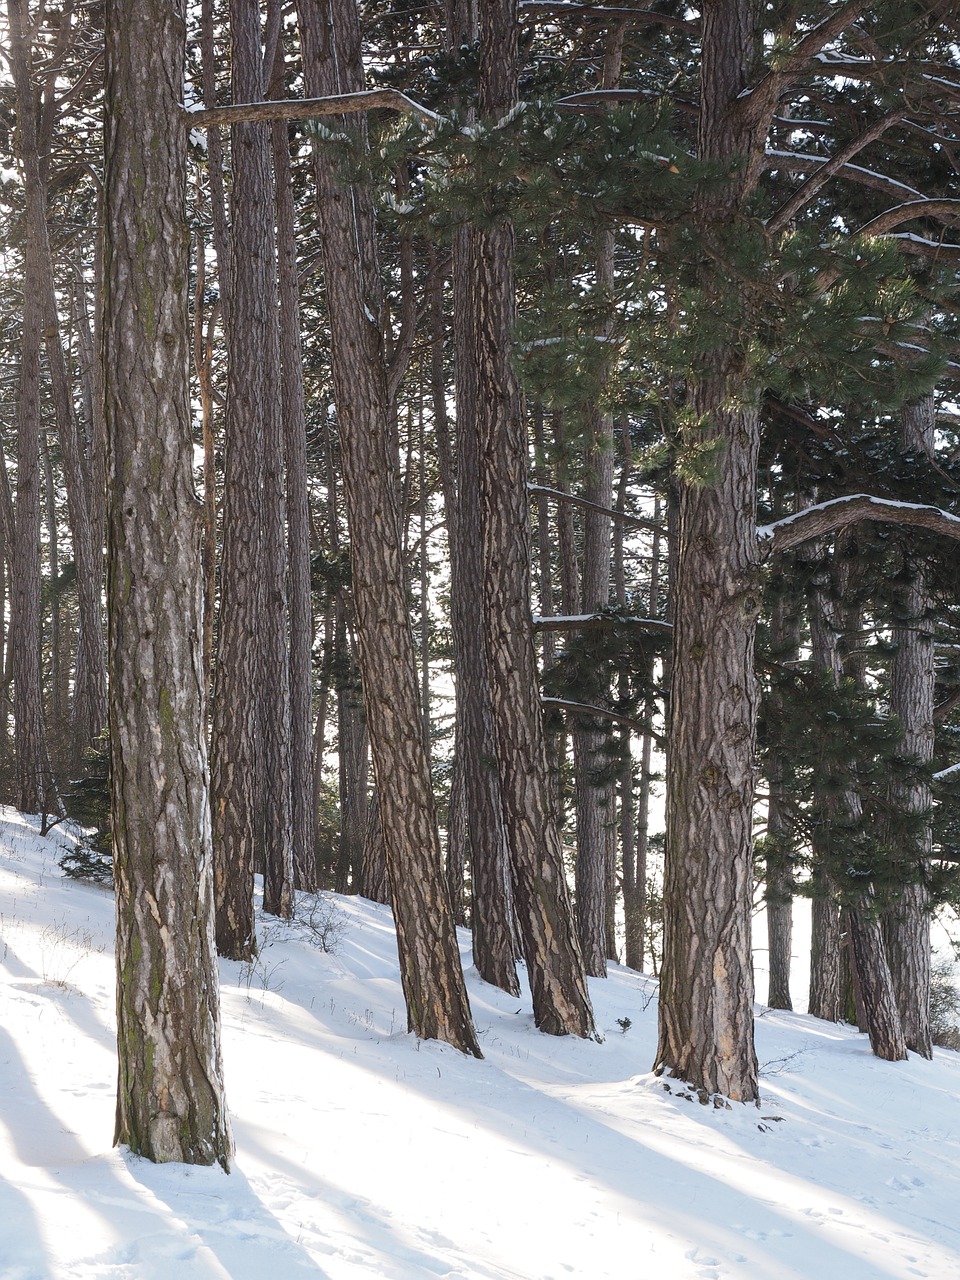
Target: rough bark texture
<point>433,985</point>
<point>353,765</point>
<point>778,894</point>
<point>825,953</point>
<point>494,946</point>
<point>824,1000</point>
<point>300,600</point>
<point>706,987</point>
<point>170,1098</point>
<point>907,923</point>
<point>872,976</point>
<point>554,963</point>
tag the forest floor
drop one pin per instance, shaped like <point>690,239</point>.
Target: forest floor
<point>362,1153</point>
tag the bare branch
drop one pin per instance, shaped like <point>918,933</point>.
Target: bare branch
<point>311,108</point>
<point>839,513</point>
<point>558,495</point>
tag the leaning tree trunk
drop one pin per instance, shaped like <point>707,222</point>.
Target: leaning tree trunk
<point>170,1098</point>
<point>907,922</point>
<point>431,973</point>
<point>555,969</point>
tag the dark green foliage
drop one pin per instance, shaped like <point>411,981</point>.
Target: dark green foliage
<point>87,802</point>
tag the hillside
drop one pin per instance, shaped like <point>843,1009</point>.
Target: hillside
<point>362,1153</point>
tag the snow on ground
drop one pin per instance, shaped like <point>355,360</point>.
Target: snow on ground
<point>363,1153</point>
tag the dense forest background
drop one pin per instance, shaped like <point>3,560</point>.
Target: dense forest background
<point>572,410</point>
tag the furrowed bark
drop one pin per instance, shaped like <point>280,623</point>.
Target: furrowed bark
<point>907,922</point>
<point>554,962</point>
<point>433,985</point>
<point>170,1097</point>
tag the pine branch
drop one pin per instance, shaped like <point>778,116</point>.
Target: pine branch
<point>839,513</point>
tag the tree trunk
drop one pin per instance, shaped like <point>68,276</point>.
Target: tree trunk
<point>873,979</point>
<point>907,922</point>
<point>170,1097</point>
<point>246,600</point>
<point>35,787</point>
<point>594,789</point>
<point>436,997</point>
<point>494,946</point>
<point>778,894</point>
<point>824,1001</point>
<point>352,755</point>
<point>706,987</point>
<point>555,970</point>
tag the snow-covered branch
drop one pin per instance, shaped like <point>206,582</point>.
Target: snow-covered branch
<point>599,622</point>
<point>839,513</point>
<point>820,177</point>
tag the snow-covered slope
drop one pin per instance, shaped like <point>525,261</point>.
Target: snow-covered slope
<point>362,1153</point>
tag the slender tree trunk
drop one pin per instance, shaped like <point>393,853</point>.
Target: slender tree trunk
<point>825,942</point>
<point>494,945</point>
<point>594,787</point>
<point>554,963</point>
<point>824,1001</point>
<point>778,895</point>
<point>353,757</point>
<point>435,992</point>
<point>170,1097</point>
<point>35,788</point>
<point>907,922</point>
<point>298,522</point>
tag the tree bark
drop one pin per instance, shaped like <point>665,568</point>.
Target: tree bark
<point>35,786</point>
<point>554,962</point>
<point>170,1098</point>
<point>706,985</point>
<point>494,943</point>
<point>433,985</point>
<point>907,922</point>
